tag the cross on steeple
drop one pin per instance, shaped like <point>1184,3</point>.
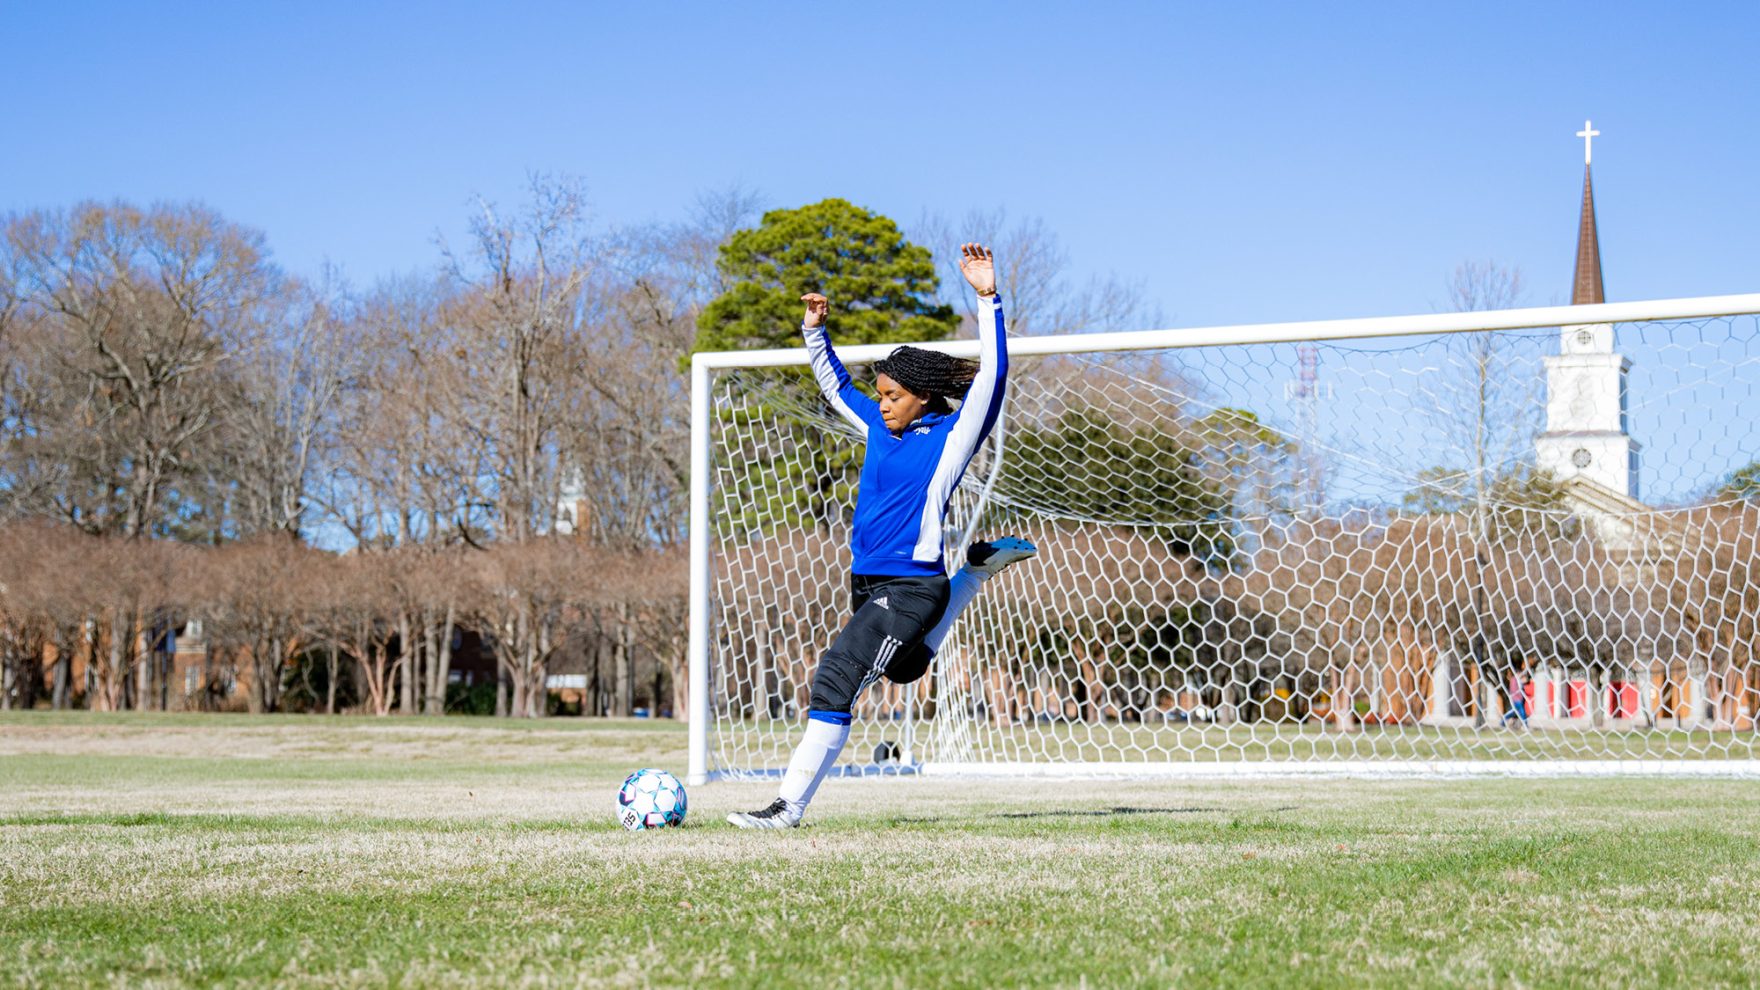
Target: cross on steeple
<point>1587,286</point>
<point>1587,134</point>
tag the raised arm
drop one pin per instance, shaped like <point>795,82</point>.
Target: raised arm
<point>859,410</point>
<point>983,403</point>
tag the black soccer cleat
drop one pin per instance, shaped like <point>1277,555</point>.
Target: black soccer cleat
<point>775,816</point>
<point>990,557</point>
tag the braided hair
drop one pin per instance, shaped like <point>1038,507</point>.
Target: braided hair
<point>931,375</point>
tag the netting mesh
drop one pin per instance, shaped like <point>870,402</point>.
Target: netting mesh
<point>1534,545</point>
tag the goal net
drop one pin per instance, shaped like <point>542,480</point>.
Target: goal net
<point>1523,541</point>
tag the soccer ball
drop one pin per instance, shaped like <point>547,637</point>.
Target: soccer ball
<point>650,799</point>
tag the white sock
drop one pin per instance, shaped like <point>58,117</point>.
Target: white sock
<point>811,761</point>
<point>961,589</point>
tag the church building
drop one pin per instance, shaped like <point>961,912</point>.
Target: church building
<point>1587,442</point>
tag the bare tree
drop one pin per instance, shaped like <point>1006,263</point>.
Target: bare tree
<point>403,467</point>
<point>141,311</point>
<point>691,249</point>
<point>627,447</point>
<point>1487,402</point>
<point>354,609</point>
<point>289,384</point>
<point>1036,276</point>
<point>517,315</point>
<point>257,608</point>
<point>13,306</point>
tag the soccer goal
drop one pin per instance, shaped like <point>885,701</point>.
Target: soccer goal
<point>1522,541</point>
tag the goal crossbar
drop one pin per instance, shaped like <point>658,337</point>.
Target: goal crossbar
<point>1691,308</point>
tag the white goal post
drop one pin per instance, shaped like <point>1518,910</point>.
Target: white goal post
<point>1514,541</point>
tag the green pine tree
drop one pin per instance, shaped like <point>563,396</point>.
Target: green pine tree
<point>881,286</point>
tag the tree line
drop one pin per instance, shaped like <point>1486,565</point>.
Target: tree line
<point>282,625</point>
<point>350,480</point>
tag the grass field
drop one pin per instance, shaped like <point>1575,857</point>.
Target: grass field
<point>234,850</point>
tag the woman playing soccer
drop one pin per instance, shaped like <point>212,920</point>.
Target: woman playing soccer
<point>918,447</point>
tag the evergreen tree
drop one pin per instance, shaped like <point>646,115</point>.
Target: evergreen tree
<point>1151,476</point>
<point>881,286</point>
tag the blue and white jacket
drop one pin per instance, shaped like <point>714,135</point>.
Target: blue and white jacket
<point>908,480</point>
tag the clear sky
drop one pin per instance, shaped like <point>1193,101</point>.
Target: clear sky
<point>1244,161</point>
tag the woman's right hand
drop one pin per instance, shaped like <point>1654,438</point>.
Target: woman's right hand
<point>817,305</point>
<point>978,265</point>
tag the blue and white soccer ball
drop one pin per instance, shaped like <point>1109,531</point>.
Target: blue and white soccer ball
<point>650,799</point>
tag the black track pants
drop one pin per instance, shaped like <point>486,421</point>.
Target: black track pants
<point>884,637</point>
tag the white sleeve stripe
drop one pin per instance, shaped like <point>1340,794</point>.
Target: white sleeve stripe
<point>976,416</point>
<point>984,400</point>
<point>830,383</point>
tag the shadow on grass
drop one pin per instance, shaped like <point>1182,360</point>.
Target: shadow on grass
<point>1116,811</point>
<point>295,824</point>
<point>1103,812</point>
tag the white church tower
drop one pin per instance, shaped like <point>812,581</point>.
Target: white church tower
<point>1587,438</point>
<point>573,511</point>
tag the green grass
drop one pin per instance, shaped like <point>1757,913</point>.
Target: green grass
<point>171,851</point>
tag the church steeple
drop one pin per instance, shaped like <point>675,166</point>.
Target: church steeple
<point>1587,436</point>
<point>1587,286</point>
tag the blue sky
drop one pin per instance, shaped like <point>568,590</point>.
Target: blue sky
<point>1245,162</point>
